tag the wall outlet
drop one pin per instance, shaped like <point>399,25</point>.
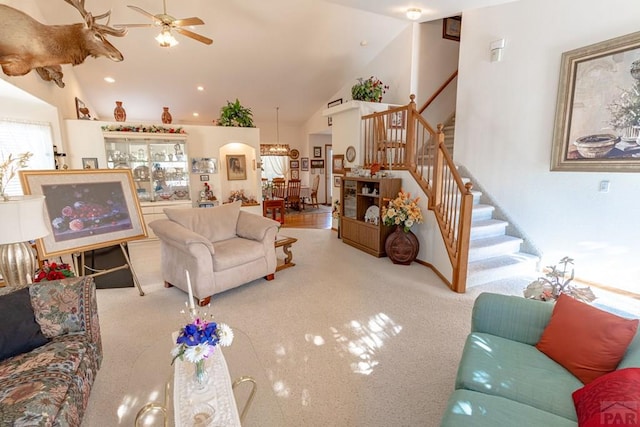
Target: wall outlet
<point>604,186</point>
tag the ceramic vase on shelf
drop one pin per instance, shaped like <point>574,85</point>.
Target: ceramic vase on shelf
<point>166,116</point>
<point>402,247</point>
<point>119,112</point>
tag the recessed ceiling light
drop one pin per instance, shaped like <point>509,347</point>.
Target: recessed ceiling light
<point>364,43</point>
<point>109,79</point>
<point>414,14</point>
<point>200,88</point>
<point>196,115</point>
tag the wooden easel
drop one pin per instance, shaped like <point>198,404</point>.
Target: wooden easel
<point>128,265</point>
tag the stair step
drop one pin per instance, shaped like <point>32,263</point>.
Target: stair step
<point>481,212</point>
<point>497,268</point>
<point>487,228</point>
<point>490,247</point>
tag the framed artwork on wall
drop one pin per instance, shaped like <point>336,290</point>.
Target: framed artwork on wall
<point>596,125</point>
<point>304,164</point>
<point>89,163</point>
<point>294,164</point>
<point>336,181</point>
<point>82,112</point>
<point>451,28</point>
<point>317,152</point>
<point>397,119</point>
<point>85,209</point>
<point>317,164</point>
<point>295,174</point>
<point>333,104</point>
<point>338,163</point>
<point>204,165</point>
<point>236,167</point>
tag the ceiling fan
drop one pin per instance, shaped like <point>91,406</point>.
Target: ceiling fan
<point>168,23</point>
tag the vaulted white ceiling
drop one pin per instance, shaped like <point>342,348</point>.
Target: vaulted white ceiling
<point>293,54</point>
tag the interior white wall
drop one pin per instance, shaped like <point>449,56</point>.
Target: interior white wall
<point>437,60</point>
<point>392,66</point>
<point>504,127</point>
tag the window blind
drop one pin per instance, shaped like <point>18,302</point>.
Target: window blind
<point>18,137</point>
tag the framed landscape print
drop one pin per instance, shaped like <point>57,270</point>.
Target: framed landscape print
<point>317,164</point>
<point>236,167</point>
<point>294,164</point>
<point>597,123</point>
<point>85,209</point>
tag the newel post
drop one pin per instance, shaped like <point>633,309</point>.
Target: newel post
<point>460,270</point>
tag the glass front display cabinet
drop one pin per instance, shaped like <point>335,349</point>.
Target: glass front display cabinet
<point>158,163</point>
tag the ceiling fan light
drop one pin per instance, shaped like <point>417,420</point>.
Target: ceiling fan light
<point>414,14</point>
<point>166,39</point>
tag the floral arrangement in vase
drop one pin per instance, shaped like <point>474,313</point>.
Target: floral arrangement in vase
<point>9,168</point>
<point>53,271</point>
<point>197,341</point>
<point>402,211</point>
<point>370,90</point>
<point>557,281</point>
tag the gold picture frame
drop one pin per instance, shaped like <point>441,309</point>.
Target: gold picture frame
<point>590,134</point>
<point>85,209</point>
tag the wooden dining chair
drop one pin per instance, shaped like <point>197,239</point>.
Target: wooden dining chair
<point>314,191</point>
<point>293,194</point>
<point>279,186</point>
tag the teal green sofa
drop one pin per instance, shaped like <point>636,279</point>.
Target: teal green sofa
<point>503,379</point>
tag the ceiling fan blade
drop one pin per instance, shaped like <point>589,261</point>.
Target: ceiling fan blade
<point>187,21</point>
<point>133,25</point>
<point>145,13</point>
<point>194,36</point>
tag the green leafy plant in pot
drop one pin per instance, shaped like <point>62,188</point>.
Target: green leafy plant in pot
<point>234,114</point>
<point>370,90</point>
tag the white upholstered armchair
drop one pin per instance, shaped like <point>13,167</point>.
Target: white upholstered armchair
<point>222,247</point>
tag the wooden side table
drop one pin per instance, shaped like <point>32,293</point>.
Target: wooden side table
<point>275,204</point>
<point>285,243</point>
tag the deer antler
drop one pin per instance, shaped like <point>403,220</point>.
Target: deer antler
<point>91,20</point>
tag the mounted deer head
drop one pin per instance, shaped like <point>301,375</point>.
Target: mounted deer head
<point>26,44</point>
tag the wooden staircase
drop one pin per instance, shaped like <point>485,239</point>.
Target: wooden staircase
<point>478,245</point>
<point>494,254</point>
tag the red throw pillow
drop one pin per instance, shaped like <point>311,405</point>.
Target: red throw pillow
<point>586,341</point>
<point>611,400</point>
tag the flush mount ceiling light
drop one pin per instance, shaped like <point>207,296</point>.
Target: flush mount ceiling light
<point>109,80</point>
<point>414,14</point>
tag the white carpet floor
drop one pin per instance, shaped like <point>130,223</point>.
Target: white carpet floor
<point>341,339</point>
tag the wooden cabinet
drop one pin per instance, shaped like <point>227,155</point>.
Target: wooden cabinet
<point>361,204</point>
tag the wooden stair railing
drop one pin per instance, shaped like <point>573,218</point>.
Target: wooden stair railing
<point>438,92</point>
<point>400,138</point>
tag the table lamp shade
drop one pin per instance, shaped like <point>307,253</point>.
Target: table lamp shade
<point>22,218</point>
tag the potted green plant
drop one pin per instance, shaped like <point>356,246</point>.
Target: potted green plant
<point>370,90</point>
<point>234,114</point>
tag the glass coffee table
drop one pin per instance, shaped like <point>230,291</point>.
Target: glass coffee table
<point>253,402</point>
